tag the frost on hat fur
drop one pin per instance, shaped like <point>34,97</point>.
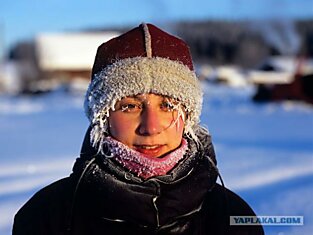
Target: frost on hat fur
<point>138,75</point>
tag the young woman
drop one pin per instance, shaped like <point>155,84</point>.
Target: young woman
<point>146,165</point>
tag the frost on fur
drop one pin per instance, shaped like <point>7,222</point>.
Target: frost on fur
<point>99,131</point>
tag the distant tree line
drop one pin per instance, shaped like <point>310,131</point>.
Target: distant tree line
<point>246,43</point>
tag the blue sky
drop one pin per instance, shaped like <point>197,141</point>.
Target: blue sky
<point>20,20</point>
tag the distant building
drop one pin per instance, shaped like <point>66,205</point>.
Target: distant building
<point>65,57</point>
<point>284,78</point>
<point>280,70</point>
<point>52,59</point>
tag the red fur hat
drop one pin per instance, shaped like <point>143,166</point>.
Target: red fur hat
<point>146,40</point>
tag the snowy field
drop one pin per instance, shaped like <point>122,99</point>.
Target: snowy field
<point>264,151</point>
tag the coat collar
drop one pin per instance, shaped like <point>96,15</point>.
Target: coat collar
<point>108,192</point>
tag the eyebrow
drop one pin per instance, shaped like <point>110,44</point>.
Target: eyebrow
<point>133,98</point>
<point>141,98</point>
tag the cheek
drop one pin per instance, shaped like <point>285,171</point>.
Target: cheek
<point>179,126</point>
<point>176,130</point>
<point>119,125</point>
<point>175,134</point>
<point>174,121</point>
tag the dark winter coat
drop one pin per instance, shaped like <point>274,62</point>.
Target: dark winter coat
<point>101,198</point>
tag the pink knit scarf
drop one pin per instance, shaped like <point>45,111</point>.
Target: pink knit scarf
<point>143,165</point>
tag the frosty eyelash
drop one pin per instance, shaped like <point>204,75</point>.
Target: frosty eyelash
<point>129,106</point>
<point>168,106</point>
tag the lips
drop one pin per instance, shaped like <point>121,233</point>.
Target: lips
<point>150,150</point>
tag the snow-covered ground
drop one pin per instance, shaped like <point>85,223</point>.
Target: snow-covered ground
<point>265,151</point>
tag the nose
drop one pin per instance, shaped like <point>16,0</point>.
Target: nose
<point>150,123</point>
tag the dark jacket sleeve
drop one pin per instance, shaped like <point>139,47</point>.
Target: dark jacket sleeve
<point>222,203</point>
<point>46,212</point>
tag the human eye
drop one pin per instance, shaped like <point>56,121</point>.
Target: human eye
<point>169,105</point>
<point>130,107</point>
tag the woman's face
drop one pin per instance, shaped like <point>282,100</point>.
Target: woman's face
<point>150,124</point>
